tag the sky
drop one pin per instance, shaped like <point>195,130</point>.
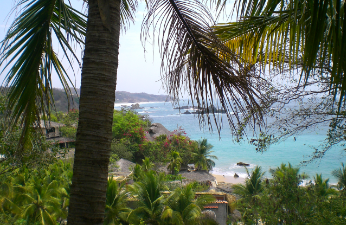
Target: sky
<point>137,72</point>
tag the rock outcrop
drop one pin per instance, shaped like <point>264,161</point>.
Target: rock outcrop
<point>242,164</point>
<point>136,106</point>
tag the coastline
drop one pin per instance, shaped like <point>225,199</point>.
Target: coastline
<point>229,153</point>
<point>228,179</point>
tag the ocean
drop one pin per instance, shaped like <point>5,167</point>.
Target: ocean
<point>229,152</point>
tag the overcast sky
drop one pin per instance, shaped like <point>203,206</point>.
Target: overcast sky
<point>137,72</point>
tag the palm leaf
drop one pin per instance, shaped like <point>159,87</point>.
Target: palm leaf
<point>340,174</point>
<point>127,13</point>
<point>194,59</point>
<point>302,34</point>
<point>28,52</point>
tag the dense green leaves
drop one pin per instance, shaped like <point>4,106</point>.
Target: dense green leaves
<point>340,174</point>
<point>36,153</point>
<point>175,163</point>
<point>180,206</point>
<point>37,197</point>
<point>283,199</point>
<point>28,51</point>
<point>309,35</point>
<point>116,203</point>
<point>150,200</point>
<point>183,208</point>
<point>253,185</point>
<point>202,156</point>
<point>130,142</point>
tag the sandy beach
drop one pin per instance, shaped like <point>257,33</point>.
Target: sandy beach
<point>229,179</point>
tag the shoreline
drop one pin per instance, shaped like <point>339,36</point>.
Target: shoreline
<point>228,179</point>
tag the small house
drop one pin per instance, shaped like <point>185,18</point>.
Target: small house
<point>219,207</point>
<point>52,132</point>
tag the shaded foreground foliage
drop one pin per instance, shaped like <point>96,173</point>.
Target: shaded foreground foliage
<point>281,200</point>
<point>35,153</point>
<point>41,196</point>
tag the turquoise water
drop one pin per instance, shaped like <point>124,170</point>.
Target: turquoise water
<point>229,152</point>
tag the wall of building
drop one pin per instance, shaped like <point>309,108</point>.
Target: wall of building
<point>220,210</point>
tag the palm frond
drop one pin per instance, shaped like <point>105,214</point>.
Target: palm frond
<point>302,34</point>
<point>194,59</point>
<point>128,9</point>
<point>28,52</point>
<point>340,174</point>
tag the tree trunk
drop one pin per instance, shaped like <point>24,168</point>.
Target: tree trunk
<point>94,135</point>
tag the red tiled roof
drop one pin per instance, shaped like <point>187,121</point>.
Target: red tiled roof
<point>211,207</point>
<point>219,201</point>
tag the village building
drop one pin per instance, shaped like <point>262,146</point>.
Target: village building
<point>52,132</point>
<point>219,207</point>
<point>217,210</point>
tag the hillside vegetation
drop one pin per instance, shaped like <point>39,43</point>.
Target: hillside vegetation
<point>61,101</point>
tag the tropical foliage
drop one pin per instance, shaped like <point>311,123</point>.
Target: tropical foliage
<point>153,206</point>
<point>70,121</point>
<point>116,203</point>
<point>341,175</point>
<point>183,208</point>
<point>41,196</point>
<point>150,200</point>
<point>302,34</point>
<point>36,197</point>
<point>191,52</point>
<point>298,46</point>
<point>253,186</point>
<point>130,142</point>
<point>282,198</point>
<point>202,156</point>
<point>175,163</point>
<point>37,152</point>
<point>28,52</point>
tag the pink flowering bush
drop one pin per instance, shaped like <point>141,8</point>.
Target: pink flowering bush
<point>130,142</point>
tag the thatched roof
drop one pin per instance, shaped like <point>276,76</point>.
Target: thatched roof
<point>155,130</point>
<point>49,124</point>
<point>124,166</point>
<point>199,176</point>
<point>61,139</point>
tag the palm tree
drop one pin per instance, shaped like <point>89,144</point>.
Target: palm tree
<point>41,202</point>
<point>250,194</point>
<point>301,34</point>
<point>7,195</point>
<point>175,162</point>
<point>185,29</point>
<point>322,187</point>
<point>253,185</point>
<point>116,209</point>
<point>150,200</point>
<point>183,208</point>
<point>288,176</point>
<point>203,156</point>
<point>27,49</point>
<point>137,172</point>
<point>286,193</point>
<point>147,164</point>
<point>340,174</point>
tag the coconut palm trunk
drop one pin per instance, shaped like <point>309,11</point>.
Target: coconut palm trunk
<point>93,143</point>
